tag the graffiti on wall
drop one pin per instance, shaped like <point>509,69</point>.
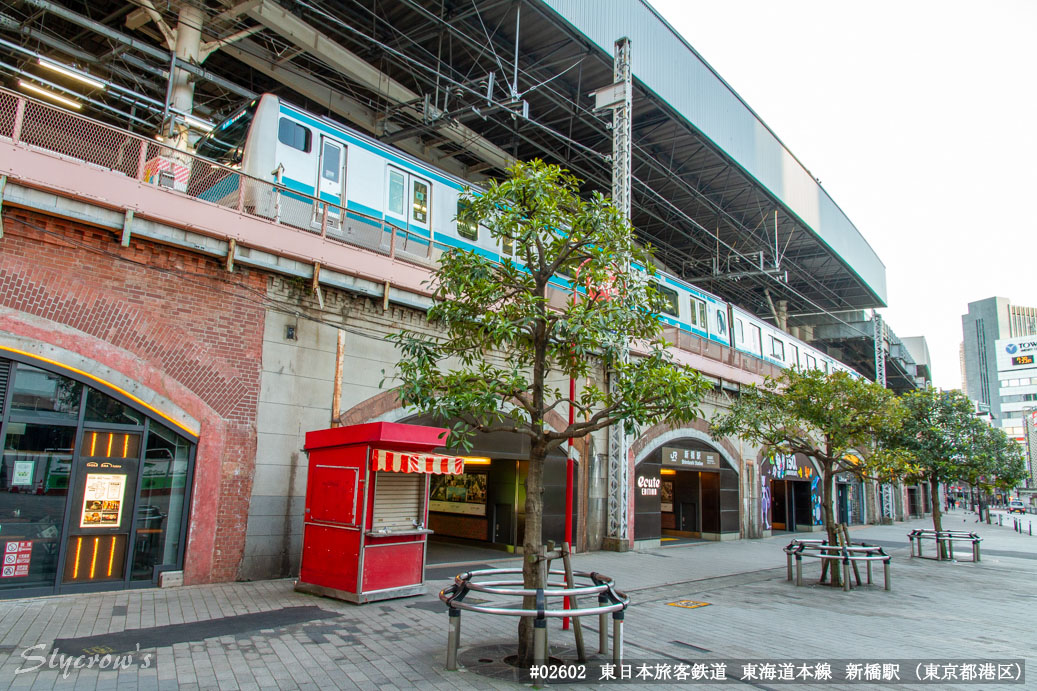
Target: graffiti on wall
<point>815,498</point>
<point>765,502</point>
<point>781,466</point>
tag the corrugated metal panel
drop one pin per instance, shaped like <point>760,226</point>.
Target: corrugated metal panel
<point>668,66</point>
<point>398,500</point>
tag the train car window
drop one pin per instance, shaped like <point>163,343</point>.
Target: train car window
<point>672,307</point>
<point>395,192</point>
<point>721,323</point>
<point>294,135</point>
<point>420,202</point>
<point>757,342</point>
<point>824,364</point>
<point>331,162</point>
<point>507,246</point>
<point>793,354</point>
<point>698,313</point>
<point>811,362</point>
<point>466,229</point>
<point>226,143</point>
<point>777,349</point>
<point>739,332</point>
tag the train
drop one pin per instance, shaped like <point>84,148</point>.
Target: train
<point>369,186</point>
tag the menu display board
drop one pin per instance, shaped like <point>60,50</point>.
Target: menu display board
<point>103,500</point>
<point>464,493</point>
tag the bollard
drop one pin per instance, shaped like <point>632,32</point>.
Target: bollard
<point>846,573</point>
<point>799,569</point>
<point>975,550</point>
<point>885,573</point>
<point>617,637</point>
<point>869,571</point>
<point>788,566</point>
<point>603,625</point>
<point>950,549</point>
<point>453,638</point>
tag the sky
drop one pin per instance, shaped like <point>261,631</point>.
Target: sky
<point>918,117</point>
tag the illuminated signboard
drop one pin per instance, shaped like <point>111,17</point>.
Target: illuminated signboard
<point>1022,360</point>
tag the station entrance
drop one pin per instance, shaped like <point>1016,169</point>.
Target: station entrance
<point>683,490</point>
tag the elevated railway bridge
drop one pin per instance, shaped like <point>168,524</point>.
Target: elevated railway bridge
<point>198,339</point>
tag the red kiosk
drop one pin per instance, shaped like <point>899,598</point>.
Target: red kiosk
<point>364,533</point>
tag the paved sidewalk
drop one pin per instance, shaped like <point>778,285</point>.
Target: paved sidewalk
<point>264,635</point>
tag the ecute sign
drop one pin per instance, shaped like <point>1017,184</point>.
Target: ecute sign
<point>649,486</point>
<point>1016,353</point>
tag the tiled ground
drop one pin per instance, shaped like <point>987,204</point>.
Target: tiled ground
<point>935,610</point>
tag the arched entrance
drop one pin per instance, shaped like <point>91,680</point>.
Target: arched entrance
<point>791,493</point>
<point>94,486</point>
<point>685,488</point>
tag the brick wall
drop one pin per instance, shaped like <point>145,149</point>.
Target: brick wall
<point>172,320</point>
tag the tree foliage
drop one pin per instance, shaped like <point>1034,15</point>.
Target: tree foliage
<point>578,290</point>
<point>834,418</point>
<point>501,341</point>
<point>937,434</point>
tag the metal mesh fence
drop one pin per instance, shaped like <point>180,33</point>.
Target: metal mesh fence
<point>38,125</point>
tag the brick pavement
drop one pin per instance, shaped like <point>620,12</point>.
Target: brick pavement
<point>936,610</point>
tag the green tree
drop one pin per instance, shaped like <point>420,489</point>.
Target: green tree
<point>937,434</point>
<point>833,418</point>
<point>507,333</point>
<point>992,460</point>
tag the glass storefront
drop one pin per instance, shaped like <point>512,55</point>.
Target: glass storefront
<point>94,491</point>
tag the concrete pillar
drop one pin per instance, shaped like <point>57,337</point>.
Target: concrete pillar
<point>188,49</point>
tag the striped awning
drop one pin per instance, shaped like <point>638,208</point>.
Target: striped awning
<point>400,462</point>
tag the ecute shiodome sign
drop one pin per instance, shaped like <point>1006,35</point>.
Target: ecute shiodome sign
<point>1016,353</point>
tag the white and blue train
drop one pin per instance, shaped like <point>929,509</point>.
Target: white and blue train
<point>311,156</point>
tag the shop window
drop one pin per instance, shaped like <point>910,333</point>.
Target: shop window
<point>163,487</point>
<point>103,408</point>
<point>44,394</point>
<point>34,476</point>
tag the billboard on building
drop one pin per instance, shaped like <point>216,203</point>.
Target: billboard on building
<point>1016,354</point>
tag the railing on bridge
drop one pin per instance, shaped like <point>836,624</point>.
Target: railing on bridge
<point>36,125</point>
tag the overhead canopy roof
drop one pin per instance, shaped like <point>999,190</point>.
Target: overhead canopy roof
<point>439,79</point>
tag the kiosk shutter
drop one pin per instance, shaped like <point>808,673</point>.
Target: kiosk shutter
<point>398,500</point>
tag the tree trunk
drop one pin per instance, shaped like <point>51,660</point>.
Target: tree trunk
<point>531,543</point>
<point>934,497</point>
<point>828,513</point>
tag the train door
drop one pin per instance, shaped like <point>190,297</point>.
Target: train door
<point>407,207</point>
<point>330,166</point>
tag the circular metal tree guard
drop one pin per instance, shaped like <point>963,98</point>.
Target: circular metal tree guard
<point>610,601</point>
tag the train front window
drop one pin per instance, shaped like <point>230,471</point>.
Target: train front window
<point>226,143</point>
